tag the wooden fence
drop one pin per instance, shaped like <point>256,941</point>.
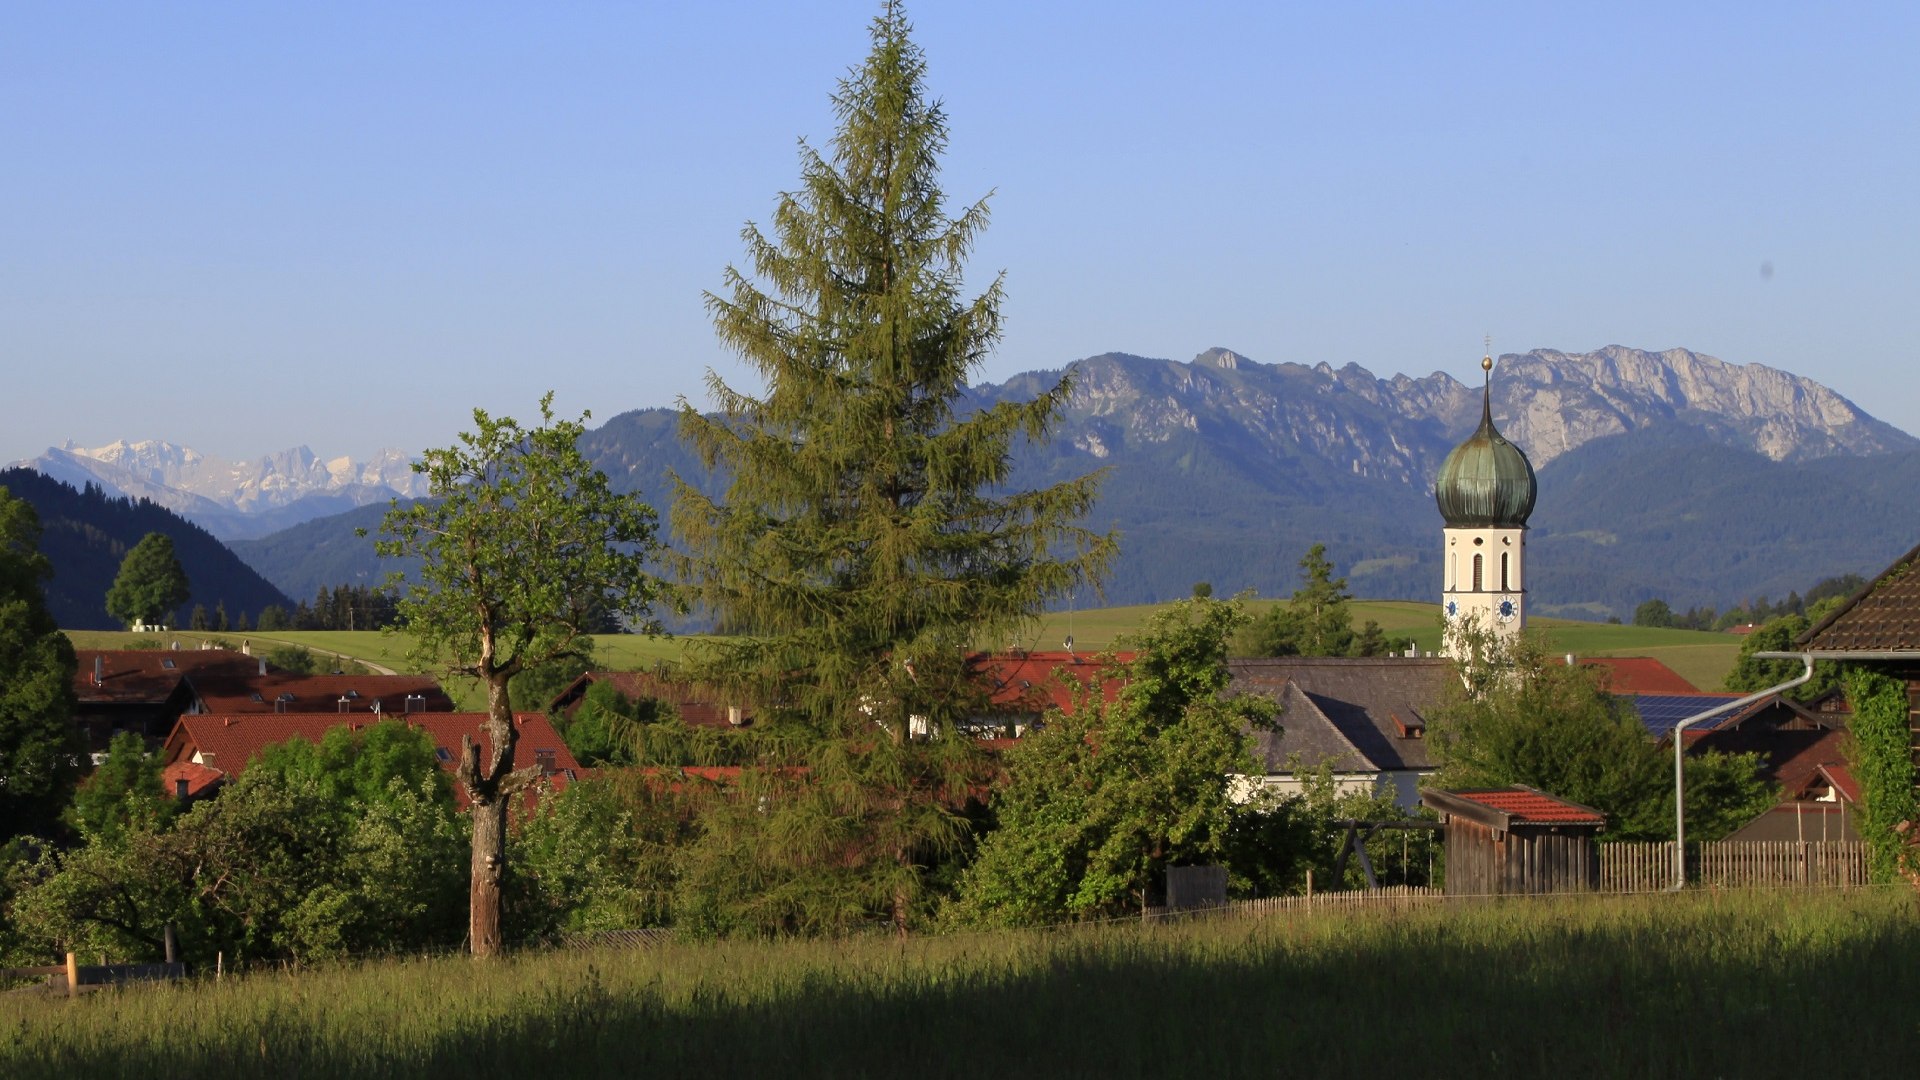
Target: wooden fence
<point>73,976</point>
<point>1648,866</point>
<point>1397,896</point>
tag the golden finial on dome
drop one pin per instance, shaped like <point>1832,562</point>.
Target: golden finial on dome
<point>1486,363</point>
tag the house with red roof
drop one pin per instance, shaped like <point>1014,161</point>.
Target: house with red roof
<point>1020,687</point>
<point>267,690</point>
<point>699,705</point>
<point>1636,675</point>
<point>203,745</point>
<point>142,690</point>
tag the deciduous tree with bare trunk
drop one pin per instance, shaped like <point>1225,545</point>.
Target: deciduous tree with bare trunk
<point>524,550</point>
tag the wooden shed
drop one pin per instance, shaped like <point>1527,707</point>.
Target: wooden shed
<point>1502,841</point>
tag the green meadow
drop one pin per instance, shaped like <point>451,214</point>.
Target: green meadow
<point>1703,658</point>
<point>1701,984</point>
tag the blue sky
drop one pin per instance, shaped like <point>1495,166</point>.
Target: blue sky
<point>245,227</point>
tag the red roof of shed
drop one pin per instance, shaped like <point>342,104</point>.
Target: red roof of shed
<point>1516,805</point>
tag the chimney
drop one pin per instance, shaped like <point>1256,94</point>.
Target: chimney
<point>99,669</point>
<point>733,715</point>
<point>1569,659</point>
<point>246,647</point>
<point>342,704</point>
<point>263,665</point>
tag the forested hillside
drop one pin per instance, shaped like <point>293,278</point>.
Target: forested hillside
<point>86,535</point>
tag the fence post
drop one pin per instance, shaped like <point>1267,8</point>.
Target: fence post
<point>168,936</point>
<point>73,975</point>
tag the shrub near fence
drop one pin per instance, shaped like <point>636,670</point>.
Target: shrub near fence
<point>1648,866</point>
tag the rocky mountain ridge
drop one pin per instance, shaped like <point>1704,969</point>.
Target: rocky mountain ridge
<point>1399,429</point>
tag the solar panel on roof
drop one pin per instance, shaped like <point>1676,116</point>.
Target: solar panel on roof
<point>1661,713</point>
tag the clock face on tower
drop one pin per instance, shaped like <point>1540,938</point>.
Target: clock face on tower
<point>1507,609</point>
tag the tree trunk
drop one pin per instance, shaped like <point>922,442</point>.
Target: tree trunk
<point>489,868</point>
<point>488,785</point>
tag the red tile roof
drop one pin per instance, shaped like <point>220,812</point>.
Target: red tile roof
<point>280,691</point>
<point>1033,682</point>
<point>131,676</point>
<point>697,704</point>
<point>1016,683</point>
<point>1525,805</point>
<point>1793,758</point>
<point>200,779</point>
<point>1638,675</point>
<point>234,740</point>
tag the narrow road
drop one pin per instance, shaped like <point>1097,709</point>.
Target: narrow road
<point>377,669</point>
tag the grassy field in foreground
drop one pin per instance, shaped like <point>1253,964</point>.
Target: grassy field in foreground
<point>1702,984</point>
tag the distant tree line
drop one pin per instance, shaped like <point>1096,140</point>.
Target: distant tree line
<point>1755,612</point>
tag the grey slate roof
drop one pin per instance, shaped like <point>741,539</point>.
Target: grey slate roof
<point>1341,711</point>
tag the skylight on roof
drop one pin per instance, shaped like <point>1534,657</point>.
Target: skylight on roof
<point>167,662</point>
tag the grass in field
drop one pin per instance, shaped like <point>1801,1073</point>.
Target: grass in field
<point>1702,658</point>
<point>1751,985</point>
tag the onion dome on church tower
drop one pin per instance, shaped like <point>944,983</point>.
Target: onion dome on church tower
<point>1486,483</point>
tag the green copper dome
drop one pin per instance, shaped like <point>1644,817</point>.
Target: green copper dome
<point>1486,483</point>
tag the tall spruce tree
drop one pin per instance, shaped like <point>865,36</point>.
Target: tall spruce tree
<point>867,538</point>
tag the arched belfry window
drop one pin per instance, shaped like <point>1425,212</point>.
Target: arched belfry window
<point>1477,586</point>
<point>1505,581</point>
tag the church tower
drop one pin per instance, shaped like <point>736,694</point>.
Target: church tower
<point>1485,492</point>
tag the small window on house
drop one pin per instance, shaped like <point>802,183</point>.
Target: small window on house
<point>443,753</point>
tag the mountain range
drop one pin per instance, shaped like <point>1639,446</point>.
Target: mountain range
<point>1670,474</point>
<point>232,499</point>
